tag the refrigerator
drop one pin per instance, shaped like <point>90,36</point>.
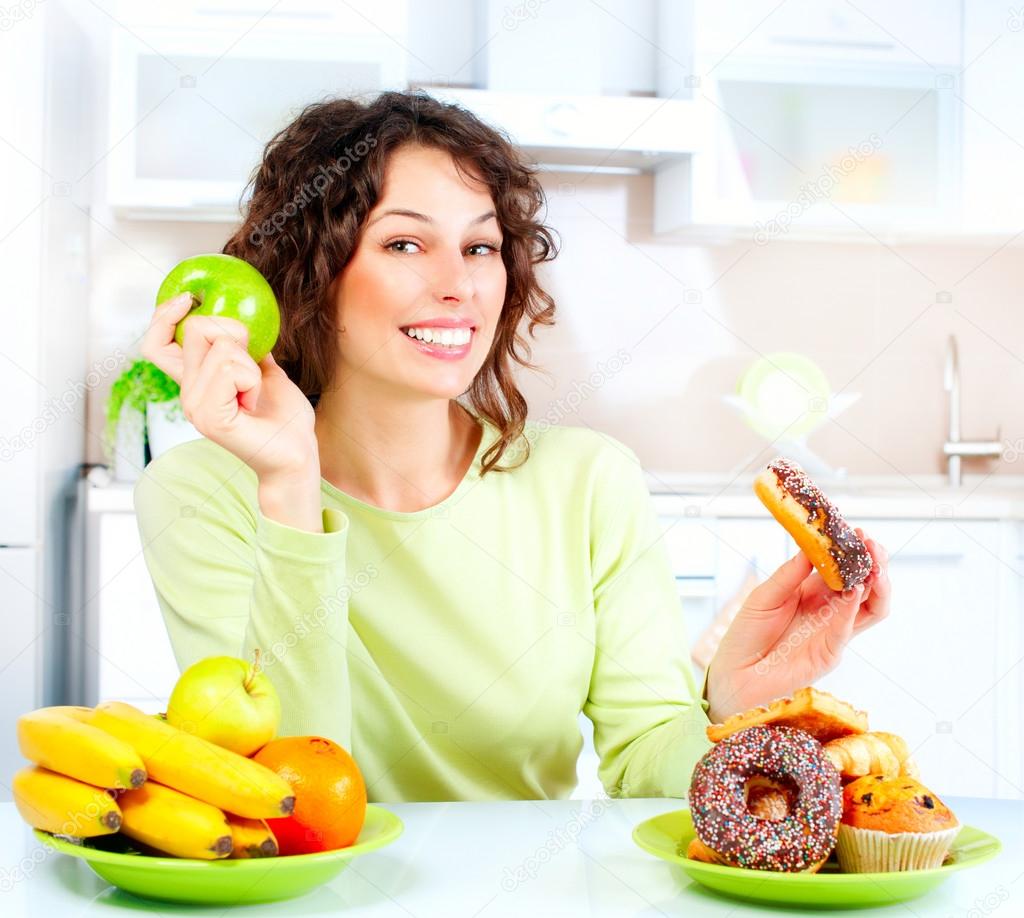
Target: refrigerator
<point>44,375</point>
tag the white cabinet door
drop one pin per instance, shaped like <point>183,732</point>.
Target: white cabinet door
<point>941,669</point>
<point>868,32</point>
<point>992,85</point>
<point>714,560</point>
<point>195,106</point>
<point>23,426</point>
<point>20,653</point>
<point>134,661</point>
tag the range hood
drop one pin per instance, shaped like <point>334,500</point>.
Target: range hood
<point>612,134</point>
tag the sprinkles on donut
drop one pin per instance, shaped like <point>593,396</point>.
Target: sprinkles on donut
<point>785,758</point>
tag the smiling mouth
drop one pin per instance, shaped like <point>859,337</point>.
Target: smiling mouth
<point>453,338</point>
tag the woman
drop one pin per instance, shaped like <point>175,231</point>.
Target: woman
<point>439,586</point>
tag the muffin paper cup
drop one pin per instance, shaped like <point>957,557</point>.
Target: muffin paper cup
<point>871,851</point>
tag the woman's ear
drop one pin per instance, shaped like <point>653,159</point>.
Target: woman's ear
<point>332,298</point>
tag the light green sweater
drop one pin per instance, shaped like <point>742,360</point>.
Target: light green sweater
<point>450,650</point>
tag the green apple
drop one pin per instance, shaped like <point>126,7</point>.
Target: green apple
<point>227,701</point>
<point>223,285</point>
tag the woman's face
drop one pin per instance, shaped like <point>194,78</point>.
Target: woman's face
<point>438,275</point>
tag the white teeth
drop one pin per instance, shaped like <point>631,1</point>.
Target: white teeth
<point>445,337</point>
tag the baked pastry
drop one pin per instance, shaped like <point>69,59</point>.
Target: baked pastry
<point>873,753</point>
<point>814,522</point>
<point>787,767</point>
<point>822,715</point>
<point>893,824</point>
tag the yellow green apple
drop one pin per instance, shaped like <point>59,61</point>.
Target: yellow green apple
<point>228,701</point>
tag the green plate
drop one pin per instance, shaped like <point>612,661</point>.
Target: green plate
<point>224,882</point>
<point>668,835</point>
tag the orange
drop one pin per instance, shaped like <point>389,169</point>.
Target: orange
<point>330,794</point>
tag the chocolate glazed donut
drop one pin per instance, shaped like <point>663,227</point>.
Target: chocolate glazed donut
<point>788,758</point>
<point>815,523</point>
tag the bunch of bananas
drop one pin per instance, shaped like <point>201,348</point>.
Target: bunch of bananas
<point>113,768</point>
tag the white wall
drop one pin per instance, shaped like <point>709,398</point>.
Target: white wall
<point>692,317</point>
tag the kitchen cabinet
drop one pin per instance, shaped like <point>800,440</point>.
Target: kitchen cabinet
<point>126,654</point>
<point>43,374</point>
<point>580,87</point>
<point>798,148</point>
<point>758,120</point>
<point>991,87</point>
<point>713,558</point>
<point>870,31</point>
<point>943,670</point>
<point>26,632</point>
<point>198,99</point>
<point>821,120</point>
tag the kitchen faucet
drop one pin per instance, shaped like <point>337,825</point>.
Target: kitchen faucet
<point>954,448</point>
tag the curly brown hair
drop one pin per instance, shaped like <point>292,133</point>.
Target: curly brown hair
<point>319,179</point>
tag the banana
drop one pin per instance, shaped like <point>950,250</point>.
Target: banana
<point>61,805</point>
<point>174,823</point>
<point>60,739</point>
<point>196,766</point>
<point>251,837</point>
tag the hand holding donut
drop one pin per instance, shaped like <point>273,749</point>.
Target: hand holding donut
<point>791,631</point>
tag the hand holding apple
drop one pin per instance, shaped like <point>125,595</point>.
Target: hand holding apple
<point>227,701</point>
<point>223,286</point>
<point>252,410</point>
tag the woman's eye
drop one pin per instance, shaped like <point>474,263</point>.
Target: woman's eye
<point>486,245</point>
<point>391,245</point>
<point>477,245</point>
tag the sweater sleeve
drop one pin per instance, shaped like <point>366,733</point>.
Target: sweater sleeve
<point>648,714</point>
<point>228,580</point>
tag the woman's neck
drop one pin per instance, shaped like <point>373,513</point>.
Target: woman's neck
<point>397,455</point>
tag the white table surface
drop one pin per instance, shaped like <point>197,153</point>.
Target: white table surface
<point>485,859</point>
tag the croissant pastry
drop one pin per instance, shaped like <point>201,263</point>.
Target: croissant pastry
<point>873,753</point>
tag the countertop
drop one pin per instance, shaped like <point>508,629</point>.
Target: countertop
<point>993,497</point>
<point>539,859</point>
<point>979,497</point>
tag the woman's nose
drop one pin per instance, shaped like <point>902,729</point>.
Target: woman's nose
<point>452,276</point>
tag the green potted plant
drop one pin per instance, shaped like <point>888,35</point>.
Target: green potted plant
<point>143,406</point>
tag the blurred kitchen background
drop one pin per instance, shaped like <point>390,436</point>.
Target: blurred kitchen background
<point>787,227</point>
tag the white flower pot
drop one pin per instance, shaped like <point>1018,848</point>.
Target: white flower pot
<point>129,444</point>
<point>167,427</point>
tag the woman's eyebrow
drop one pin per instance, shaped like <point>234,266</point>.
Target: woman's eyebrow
<point>402,212</point>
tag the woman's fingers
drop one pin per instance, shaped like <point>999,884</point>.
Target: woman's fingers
<point>781,586</point>
<point>876,608</point>
<point>200,334</point>
<point>844,608</point>
<point>228,378</point>
<point>158,345</point>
